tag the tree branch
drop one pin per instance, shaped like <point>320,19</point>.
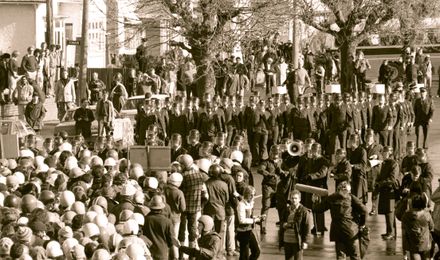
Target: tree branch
<point>182,45</point>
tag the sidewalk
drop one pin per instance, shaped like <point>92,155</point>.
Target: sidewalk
<point>51,113</point>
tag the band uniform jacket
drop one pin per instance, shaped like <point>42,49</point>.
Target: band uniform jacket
<point>193,117</point>
<point>339,118</point>
<point>250,118</point>
<point>193,150</point>
<point>359,184</point>
<point>394,112</point>
<point>273,123</point>
<point>271,172</point>
<point>220,151</point>
<point>285,110</point>
<point>221,117</point>
<point>342,171</point>
<point>262,125</point>
<point>143,121</point>
<point>409,108</point>
<point>176,152</point>
<point>368,113</point>
<point>178,124</point>
<point>232,119</point>
<point>313,172</point>
<point>209,125</point>
<point>381,118</point>
<point>404,114</point>
<point>423,111</point>
<point>387,185</point>
<point>301,123</point>
<point>356,115</point>
<point>427,175</point>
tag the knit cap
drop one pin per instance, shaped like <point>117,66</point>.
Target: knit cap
<point>24,235</point>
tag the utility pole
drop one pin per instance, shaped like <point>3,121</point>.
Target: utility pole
<point>83,51</point>
<point>295,37</point>
<point>49,22</point>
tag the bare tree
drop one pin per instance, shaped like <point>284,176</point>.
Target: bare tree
<point>209,27</point>
<point>352,21</point>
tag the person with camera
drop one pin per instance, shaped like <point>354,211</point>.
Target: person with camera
<point>246,223</point>
<point>344,208</point>
<point>296,228</point>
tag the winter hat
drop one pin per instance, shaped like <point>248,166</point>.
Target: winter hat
<point>5,246</point>
<point>24,235</point>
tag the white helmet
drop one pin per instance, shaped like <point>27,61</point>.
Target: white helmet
<point>131,227</point>
<point>208,222</point>
<point>237,156</point>
<point>204,165</point>
<point>90,230</point>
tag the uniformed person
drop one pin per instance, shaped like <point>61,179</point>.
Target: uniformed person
<point>313,170</point>
<point>374,152</point>
<point>386,188</point>
<point>342,171</point>
<point>301,121</point>
<point>193,143</point>
<point>382,120</point>
<point>339,119</point>
<point>272,123</point>
<point>209,123</point>
<point>271,171</point>
<point>358,160</point>
<point>249,122</point>
<point>178,121</point>
<point>144,119</point>
<point>261,130</point>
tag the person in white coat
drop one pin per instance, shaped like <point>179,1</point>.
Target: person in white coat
<point>65,95</point>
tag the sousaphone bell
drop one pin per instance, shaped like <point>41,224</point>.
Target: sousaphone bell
<point>294,148</point>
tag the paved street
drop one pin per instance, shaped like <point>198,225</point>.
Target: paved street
<point>321,247</point>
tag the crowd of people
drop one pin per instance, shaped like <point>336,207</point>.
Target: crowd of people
<point>83,198</point>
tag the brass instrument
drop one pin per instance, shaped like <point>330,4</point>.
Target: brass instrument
<point>295,148</point>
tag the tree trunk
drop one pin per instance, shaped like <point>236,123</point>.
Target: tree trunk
<point>205,77</point>
<point>347,49</point>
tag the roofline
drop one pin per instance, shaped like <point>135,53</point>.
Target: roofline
<point>22,2</point>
